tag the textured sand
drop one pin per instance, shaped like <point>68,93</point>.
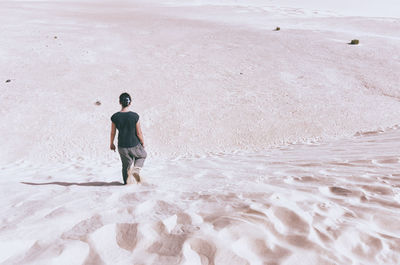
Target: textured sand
<point>265,147</point>
<point>200,86</point>
<point>331,203</point>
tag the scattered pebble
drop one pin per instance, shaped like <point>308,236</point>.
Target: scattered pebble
<point>98,103</point>
<point>55,37</point>
<point>354,42</point>
<point>8,80</point>
<point>241,73</point>
<point>277,29</point>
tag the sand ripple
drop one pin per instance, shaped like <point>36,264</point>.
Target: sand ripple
<point>328,203</point>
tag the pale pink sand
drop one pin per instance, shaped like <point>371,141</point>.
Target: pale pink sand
<point>251,134</point>
<point>297,84</point>
<point>330,203</point>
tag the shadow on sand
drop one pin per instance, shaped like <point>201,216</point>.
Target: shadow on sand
<point>94,184</point>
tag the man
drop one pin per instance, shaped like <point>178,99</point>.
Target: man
<point>130,140</point>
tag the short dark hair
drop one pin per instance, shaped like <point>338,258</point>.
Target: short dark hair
<point>125,99</point>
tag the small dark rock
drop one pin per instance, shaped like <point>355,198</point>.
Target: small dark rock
<point>55,37</point>
<point>277,29</point>
<point>354,42</point>
<point>8,81</point>
<point>98,103</point>
<point>241,73</point>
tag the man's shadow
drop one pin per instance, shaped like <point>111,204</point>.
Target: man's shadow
<point>66,184</point>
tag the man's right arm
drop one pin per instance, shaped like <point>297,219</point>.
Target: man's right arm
<point>112,136</point>
<point>139,133</point>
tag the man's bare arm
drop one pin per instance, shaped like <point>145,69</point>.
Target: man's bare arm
<point>112,137</point>
<point>139,133</point>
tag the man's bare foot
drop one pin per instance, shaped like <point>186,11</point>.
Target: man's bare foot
<point>130,180</point>
<point>137,177</point>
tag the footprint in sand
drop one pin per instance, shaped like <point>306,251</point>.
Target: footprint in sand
<point>291,220</point>
<point>205,250</point>
<point>167,246</point>
<point>126,236</point>
<point>340,191</point>
<point>271,253</point>
<point>84,228</point>
<point>56,212</point>
<point>369,247</point>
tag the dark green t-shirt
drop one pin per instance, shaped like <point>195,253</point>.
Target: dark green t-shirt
<point>126,125</point>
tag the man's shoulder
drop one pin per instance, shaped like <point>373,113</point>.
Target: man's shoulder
<point>134,114</point>
<point>115,115</point>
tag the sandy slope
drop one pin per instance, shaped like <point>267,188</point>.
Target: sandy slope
<point>383,8</point>
<point>200,86</point>
<point>333,203</point>
<point>220,96</point>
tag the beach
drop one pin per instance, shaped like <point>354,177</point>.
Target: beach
<point>264,146</point>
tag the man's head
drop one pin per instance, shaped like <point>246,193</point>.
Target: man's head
<point>125,99</point>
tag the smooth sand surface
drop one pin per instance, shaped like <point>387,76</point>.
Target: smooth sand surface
<point>265,147</point>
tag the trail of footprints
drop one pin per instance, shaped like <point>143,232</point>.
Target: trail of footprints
<point>335,216</point>
<point>214,228</point>
<point>272,232</point>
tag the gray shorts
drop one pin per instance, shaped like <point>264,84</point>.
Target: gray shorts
<point>131,156</point>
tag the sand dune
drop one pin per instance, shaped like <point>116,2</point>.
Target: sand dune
<point>265,147</point>
<point>332,203</point>
<point>215,86</point>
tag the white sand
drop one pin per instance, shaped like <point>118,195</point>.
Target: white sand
<point>223,101</point>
